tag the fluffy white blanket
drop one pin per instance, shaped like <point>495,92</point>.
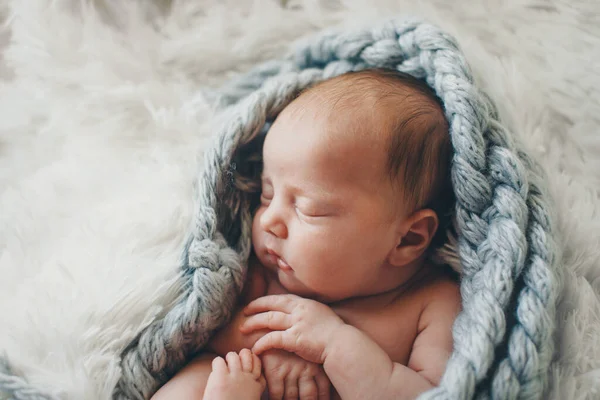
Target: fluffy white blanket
<point>102,124</point>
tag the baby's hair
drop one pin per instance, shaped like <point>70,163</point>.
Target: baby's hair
<point>419,148</point>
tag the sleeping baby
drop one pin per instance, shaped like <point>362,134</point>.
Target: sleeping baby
<point>341,291</point>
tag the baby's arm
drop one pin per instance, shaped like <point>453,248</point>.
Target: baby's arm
<point>372,367</point>
<point>190,382</point>
<point>359,369</point>
<point>433,346</point>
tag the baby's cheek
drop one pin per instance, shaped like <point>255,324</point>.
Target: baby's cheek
<point>256,229</point>
<point>319,254</point>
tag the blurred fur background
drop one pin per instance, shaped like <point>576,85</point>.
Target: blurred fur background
<point>103,122</point>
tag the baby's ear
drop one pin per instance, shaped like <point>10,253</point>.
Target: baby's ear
<point>415,235</point>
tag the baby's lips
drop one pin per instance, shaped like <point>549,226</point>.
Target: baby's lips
<point>283,265</point>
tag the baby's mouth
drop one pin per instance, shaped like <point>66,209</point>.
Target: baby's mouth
<point>284,266</point>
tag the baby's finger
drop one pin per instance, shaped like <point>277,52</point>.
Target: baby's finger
<point>275,387</point>
<point>246,358</point>
<point>256,366</point>
<point>279,302</point>
<point>291,387</point>
<point>273,320</point>
<point>323,386</point>
<point>307,388</point>
<point>219,365</point>
<point>233,361</point>
<point>272,340</point>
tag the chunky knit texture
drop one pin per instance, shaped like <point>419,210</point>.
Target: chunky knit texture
<point>503,337</point>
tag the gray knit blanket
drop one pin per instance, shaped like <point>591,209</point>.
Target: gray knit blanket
<point>503,338</point>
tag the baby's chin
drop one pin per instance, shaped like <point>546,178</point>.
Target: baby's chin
<point>293,286</point>
<point>289,280</point>
<point>291,283</point>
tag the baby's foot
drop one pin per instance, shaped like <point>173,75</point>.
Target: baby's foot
<point>238,378</point>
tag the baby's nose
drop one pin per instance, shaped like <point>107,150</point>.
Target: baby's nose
<point>271,221</point>
<point>278,230</point>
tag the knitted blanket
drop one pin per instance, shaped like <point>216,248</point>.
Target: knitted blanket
<point>509,283</point>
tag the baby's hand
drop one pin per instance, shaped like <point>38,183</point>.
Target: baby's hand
<point>291,377</point>
<point>302,326</point>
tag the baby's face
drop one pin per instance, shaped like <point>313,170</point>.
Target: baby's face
<point>326,222</point>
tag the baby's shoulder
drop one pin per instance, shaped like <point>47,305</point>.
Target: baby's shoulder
<point>441,285</point>
<point>438,285</point>
<point>429,287</point>
<point>439,297</point>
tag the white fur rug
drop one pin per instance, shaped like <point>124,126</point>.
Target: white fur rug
<point>102,123</point>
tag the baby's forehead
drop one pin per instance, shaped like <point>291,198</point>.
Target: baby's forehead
<point>339,131</point>
<point>366,96</point>
<point>360,109</point>
<point>331,123</point>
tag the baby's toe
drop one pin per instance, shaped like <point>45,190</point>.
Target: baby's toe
<point>233,362</point>
<point>262,382</point>
<point>246,359</point>
<point>219,365</point>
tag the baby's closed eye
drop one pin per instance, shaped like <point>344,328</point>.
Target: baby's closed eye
<point>265,199</point>
<point>313,209</point>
